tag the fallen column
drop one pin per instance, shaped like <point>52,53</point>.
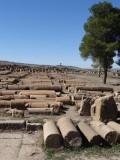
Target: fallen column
<point>109,134</point>
<point>114,126</point>
<point>92,136</point>
<point>52,136</point>
<point>40,110</point>
<point>21,96</point>
<point>10,80</point>
<point>17,87</point>
<point>57,88</point>
<point>64,100</point>
<point>79,97</point>
<point>9,97</point>
<point>6,92</point>
<point>18,104</point>
<point>38,92</point>
<point>71,136</point>
<point>102,89</point>
<point>4,104</point>
<point>43,104</point>
<point>37,96</point>
<point>38,105</point>
<point>26,101</point>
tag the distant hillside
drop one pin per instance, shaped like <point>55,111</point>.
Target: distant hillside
<point>42,65</point>
<point>36,65</point>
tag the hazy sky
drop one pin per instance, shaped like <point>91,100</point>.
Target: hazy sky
<point>44,31</point>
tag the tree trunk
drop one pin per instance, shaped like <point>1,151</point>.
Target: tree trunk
<point>99,72</point>
<point>105,75</point>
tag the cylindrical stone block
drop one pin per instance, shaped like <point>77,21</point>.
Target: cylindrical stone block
<point>92,136</point>
<point>114,126</point>
<point>17,87</point>
<point>9,97</point>
<point>38,105</point>
<point>4,104</point>
<point>18,104</point>
<point>40,110</point>
<point>37,96</point>
<point>21,96</point>
<point>64,100</point>
<point>37,92</point>
<point>71,136</point>
<point>109,134</point>
<point>88,88</point>
<point>10,92</point>
<point>57,88</point>
<point>52,136</point>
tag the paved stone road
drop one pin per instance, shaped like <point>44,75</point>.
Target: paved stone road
<point>20,146</point>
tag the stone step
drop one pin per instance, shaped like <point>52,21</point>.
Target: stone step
<point>33,126</point>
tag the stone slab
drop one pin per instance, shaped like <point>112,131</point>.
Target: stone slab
<point>8,153</point>
<point>31,139</point>
<point>10,136</point>
<point>12,124</point>
<point>31,152</point>
<point>9,148</point>
<point>10,142</point>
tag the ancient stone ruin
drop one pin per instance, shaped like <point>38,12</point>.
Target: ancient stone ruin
<point>68,109</point>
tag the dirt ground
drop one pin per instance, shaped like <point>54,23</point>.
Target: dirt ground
<point>24,145</point>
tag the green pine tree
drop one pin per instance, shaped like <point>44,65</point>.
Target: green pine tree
<point>102,38</point>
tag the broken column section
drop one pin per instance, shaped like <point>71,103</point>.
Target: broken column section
<point>71,136</point>
<point>92,136</point>
<point>52,136</point>
<point>109,134</point>
<point>85,107</point>
<point>104,109</point>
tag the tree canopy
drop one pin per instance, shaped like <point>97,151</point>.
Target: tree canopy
<point>102,38</point>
